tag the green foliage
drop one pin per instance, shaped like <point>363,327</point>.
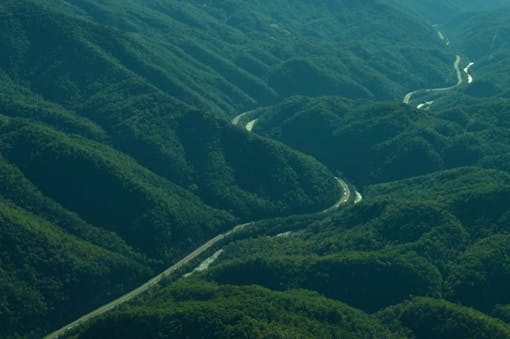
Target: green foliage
<point>229,57</point>
<point>114,90</point>
<point>502,312</point>
<point>376,142</point>
<point>198,310</point>
<point>109,189</point>
<point>441,11</point>
<point>432,318</point>
<point>115,161</point>
<point>18,101</point>
<point>481,36</point>
<point>96,144</point>
<point>49,276</point>
<point>362,279</point>
<point>21,192</point>
<point>481,276</point>
<point>478,197</point>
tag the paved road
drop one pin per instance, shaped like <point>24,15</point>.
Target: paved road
<point>443,38</point>
<point>358,198</point>
<point>204,265</point>
<point>469,76</point>
<point>151,283</point>
<point>425,105</point>
<point>343,199</point>
<point>157,279</point>
<point>250,125</point>
<point>408,96</point>
<point>238,118</point>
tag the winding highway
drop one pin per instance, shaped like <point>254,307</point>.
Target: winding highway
<point>346,195</point>
<point>204,265</point>
<point>344,199</point>
<point>146,286</point>
<point>250,125</point>
<point>469,76</point>
<point>166,273</point>
<point>358,198</point>
<point>239,117</point>
<point>409,96</point>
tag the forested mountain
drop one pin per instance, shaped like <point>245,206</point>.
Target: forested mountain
<point>97,159</point>
<point>228,57</point>
<point>374,142</point>
<point>118,158</point>
<point>483,36</point>
<point>441,11</point>
<point>443,237</point>
<point>234,312</point>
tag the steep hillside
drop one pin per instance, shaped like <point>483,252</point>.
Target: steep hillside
<point>187,147</point>
<point>414,262</point>
<point>429,318</point>
<point>375,142</point>
<point>118,158</point>
<point>233,312</point>
<point>483,38</point>
<point>441,11</point>
<point>108,178</point>
<point>229,57</point>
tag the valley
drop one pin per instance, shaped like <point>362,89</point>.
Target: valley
<point>408,97</point>
<point>231,169</point>
<point>153,282</point>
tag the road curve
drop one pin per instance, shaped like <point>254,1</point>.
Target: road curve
<point>358,198</point>
<point>346,195</point>
<point>249,126</point>
<point>157,279</point>
<point>469,76</point>
<point>408,96</point>
<point>238,118</point>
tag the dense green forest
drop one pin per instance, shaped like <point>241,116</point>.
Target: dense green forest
<point>229,56</point>
<point>482,36</point>
<point>417,237</point>
<point>442,11</point>
<point>119,157</point>
<point>209,310</point>
<point>376,142</point>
